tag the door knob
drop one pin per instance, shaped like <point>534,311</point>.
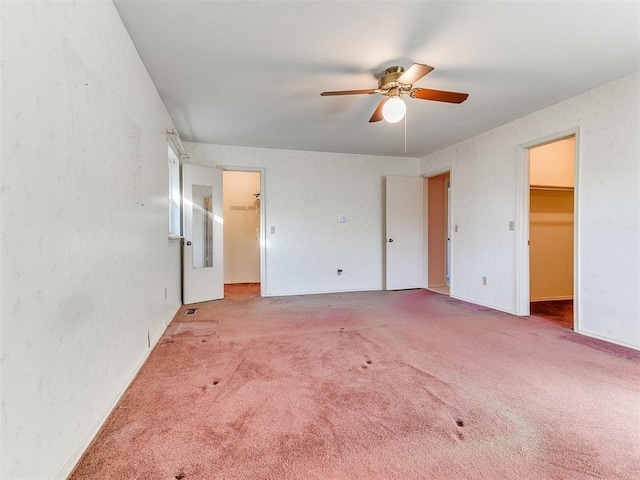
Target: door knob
<point>188,243</point>
<point>391,240</point>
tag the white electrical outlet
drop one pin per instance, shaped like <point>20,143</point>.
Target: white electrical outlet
<point>512,226</point>
<point>272,230</point>
<point>484,280</point>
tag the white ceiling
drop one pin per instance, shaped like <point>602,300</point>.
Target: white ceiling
<point>250,73</point>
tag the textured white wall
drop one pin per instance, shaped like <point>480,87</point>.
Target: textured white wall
<point>304,194</point>
<point>484,191</point>
<point>84,251</point>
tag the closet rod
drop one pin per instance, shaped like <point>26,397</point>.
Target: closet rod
<point>544,187</point>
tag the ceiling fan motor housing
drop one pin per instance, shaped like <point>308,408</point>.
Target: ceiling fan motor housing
<point>388,83</point>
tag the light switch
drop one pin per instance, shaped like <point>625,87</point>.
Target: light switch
<point>512,226</point>
<point>342,219</point>
<point>456,229</point>
<point>273,230</point>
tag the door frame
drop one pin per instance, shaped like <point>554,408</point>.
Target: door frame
<point>523,289</point>
<point>263,223</point>
<point>449,230</point>
<point>434,173</point>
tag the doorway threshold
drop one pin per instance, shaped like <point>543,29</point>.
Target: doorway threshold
<point>443,290</point>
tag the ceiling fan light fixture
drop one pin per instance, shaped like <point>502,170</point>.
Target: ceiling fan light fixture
<point>394,110</point>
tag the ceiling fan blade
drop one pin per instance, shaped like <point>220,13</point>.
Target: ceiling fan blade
<point>415,73</point>
<point>438,95</point>
<point>377,115</point>
<point>347,92</point>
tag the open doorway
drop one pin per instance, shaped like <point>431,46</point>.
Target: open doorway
<point>241,192</point>
<point>551,230</point>
<point>438,233</point>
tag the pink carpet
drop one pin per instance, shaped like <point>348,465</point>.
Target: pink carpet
<point>373,385</point>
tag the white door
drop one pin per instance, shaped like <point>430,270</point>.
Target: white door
<point>405,233</point>
<point>202,262</point>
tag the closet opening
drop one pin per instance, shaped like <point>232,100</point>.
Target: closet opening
<point>242,233</point>
<point>551,230</point>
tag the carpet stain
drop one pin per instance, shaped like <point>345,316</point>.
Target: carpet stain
<point>460,423</point>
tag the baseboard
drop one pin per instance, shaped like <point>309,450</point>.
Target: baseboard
<point>609,340</point>
<point>551,299</point>
<point>68,466</point>
<point>322,292</point>
<point>488,305</point>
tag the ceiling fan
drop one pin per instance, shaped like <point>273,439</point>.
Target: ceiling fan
<point>394,83</point>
